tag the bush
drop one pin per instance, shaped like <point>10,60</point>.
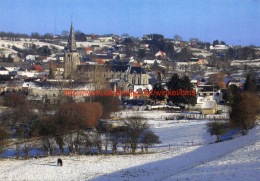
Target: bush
<point>217,128</point>
<point>245,108</point>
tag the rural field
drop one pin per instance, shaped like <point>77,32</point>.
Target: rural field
<point>186,152</point>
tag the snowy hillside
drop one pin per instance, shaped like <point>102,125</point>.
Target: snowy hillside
<point>21,44</point>
<point>173,159</point>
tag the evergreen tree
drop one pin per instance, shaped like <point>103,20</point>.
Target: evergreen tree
<point>155,65</point>
<point>180,91</point>
<point>141,53</point>
<point>51,74</point>
<point>184,55</point>
<point>174,85</point>
<point>250,84</point>
<point>158,92</point>
<point>187,86</point>
<point>129,44</point>
<point>222,43</point>
<point>232,93</point>
<point>215,42</point>
<point>230,54</point>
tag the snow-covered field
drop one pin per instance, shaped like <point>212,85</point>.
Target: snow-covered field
<point>20,44</point>
<point>173,159</point>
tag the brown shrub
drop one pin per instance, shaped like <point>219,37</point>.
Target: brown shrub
<point>82,114</point>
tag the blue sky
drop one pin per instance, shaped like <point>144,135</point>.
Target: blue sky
<point>234,21</point>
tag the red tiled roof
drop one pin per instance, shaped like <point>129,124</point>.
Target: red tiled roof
<point>37,67</point>
<point>137,65</point>
<point>99,61</point>
<point>88,49</point>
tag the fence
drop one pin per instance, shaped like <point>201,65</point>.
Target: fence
<point>183,144</point>
<point>197,116</point>
<point>176,116</point>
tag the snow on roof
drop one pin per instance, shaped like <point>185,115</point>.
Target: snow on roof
<point>208,104</point>
<point>143,87</point>
<point>12,68</point>
<point>152,61</point>
<point>160,53</point>
<point>114,80</point>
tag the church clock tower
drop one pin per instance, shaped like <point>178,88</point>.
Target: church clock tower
<point>71,57</point>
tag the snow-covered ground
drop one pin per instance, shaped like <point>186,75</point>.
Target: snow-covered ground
<point>20,44</point>
<point>173,159</point>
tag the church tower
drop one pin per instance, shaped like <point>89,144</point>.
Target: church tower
<point>71,57</point>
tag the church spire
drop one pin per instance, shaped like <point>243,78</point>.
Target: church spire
<point>71,41</point>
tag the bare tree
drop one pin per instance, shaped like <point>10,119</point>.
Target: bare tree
<point>88,142</point>
<point>115,136</point>
<point>245,108</point>
<point>217,80</point>
<point>3,138</point>
<point>21,117</point>
<point>48,145</point>
<point>149,139</point>
<point>97,142</point>
<point>45,130</point>
<point>135,126</point>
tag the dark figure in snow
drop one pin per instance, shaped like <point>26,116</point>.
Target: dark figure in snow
<point>59,162</point>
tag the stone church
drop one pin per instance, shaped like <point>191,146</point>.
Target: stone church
<point>125,77</point>
<point>71,57</point>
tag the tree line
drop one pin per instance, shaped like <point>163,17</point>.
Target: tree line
<point>79,36</point>
<point>64,128</point>
<point>176,83</point>
<point>245,108</point>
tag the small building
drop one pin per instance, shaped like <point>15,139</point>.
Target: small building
<point>160,55</point>
<point>209,107</point>
<point>14,58</point>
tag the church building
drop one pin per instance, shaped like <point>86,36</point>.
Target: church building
<point>71,56</point>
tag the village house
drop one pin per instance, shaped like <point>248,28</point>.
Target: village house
<point>13,58</point>
<point>13,86</point>
<point>250,63</point>
<point>150,62</point>
<point>208,92</point>
<point>209,107</point>
<point>160,55</point>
